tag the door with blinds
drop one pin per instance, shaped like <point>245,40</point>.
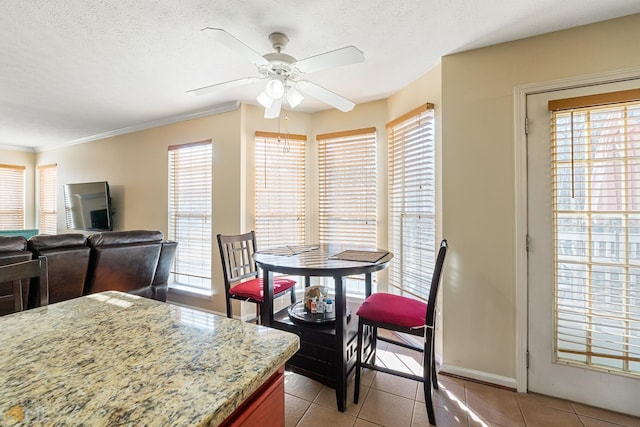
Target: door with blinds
<point>583,151</point>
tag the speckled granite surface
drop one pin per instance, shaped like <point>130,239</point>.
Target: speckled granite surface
<point>116,359</point>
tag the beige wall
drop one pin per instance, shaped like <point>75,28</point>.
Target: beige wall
<point>135,165</point>
<point>479,177</point>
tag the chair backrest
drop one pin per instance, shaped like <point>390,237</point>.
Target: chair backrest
<point>435,284</point>
<point>236,253</point>
<point>25,271</point>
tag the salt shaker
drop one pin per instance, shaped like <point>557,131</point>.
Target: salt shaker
<point>328,307</point>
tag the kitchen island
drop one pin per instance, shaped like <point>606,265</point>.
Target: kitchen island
<point>117,359</point>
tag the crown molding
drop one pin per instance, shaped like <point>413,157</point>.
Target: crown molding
<point>224,107</point>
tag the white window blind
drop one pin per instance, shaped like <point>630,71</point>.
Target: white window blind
<point>596,217</point>
<point>280,189</point>
<point>190,213</point>
<point>347,189</point>
<point>47,210</point>
<point>412,201</point>
<point>11,197</point>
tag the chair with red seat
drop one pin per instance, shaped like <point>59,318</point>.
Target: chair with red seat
<point>241,279</point>
<point>405,315</point>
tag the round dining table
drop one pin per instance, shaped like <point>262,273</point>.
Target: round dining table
<point>325,260</point>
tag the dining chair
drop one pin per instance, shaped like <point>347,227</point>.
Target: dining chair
<point>25,271</point>
<point>241,279</point>
<point>405,315</point>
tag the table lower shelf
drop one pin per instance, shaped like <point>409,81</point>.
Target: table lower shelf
<point>298,314</point>
<point>317,357</point>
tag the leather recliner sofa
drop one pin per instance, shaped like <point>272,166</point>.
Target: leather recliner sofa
<point>137,262</point>
<point>159,286</point>
<point>68,261</point>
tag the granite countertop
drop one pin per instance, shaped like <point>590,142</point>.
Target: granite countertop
<point>117,359</point>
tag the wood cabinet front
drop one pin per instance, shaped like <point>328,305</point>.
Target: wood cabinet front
<point>264,408</point>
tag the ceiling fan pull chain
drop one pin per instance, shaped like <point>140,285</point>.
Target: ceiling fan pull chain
<point>286,147</point>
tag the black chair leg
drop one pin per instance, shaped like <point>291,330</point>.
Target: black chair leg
<point>229,309</point>
<point>429,402</point>
<point>356,392</point>
<point>430,361</point>
<point>374,345</point>
<point>429,373</point>
<point>434,374</point>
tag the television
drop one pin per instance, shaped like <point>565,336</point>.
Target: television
<point>88,206</point>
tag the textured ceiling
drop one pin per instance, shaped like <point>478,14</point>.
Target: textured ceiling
<point>73,70</point>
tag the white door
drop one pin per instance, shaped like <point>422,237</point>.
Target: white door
<point>546,375</point>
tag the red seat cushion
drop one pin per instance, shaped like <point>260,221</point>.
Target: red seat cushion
<point>253,288</point>
<point>394,309</point>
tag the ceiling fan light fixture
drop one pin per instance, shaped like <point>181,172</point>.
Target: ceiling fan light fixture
<point>294,98</point>
<point>273,112</point>
<point>282,71</point>
<point>264,99</point>
<point>275,89</point>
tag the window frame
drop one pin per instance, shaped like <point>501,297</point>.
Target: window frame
<point>12,197</point>
<point>192,266</point>
<point>595,170</point>
<point>47,198</point>
<point>347,181</point>
<point>276,186</point>
<point>412,197</point>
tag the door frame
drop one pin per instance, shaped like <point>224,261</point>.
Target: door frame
<point>520,94</point>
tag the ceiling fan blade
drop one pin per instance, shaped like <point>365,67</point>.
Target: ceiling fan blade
<point>335,58</point>
<point>221,86</point>
<point>226,39</point>
<point>326,96</point>
<point>273,111</point>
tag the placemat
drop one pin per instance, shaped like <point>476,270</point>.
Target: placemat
<point>362,256</point>
<point>289,250</point>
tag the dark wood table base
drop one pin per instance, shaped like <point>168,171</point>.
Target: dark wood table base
<point>317,358</point>
<point>327,354</point>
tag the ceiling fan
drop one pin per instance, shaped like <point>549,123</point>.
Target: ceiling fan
<point>282,73</point>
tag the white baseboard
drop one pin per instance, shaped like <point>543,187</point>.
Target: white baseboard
<point>485,377</point>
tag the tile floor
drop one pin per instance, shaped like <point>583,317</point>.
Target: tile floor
<point>387,400</point>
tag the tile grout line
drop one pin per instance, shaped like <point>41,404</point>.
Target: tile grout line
<point>524,420</point>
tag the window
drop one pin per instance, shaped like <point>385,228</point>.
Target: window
<point>412,213</point>
<point>190,213</point>
<point>347,189</point>
<point>347,193</point>
<point>47,211</point>
<point>280,189</point>
<point>596,221</point>
<point>11,197</point>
